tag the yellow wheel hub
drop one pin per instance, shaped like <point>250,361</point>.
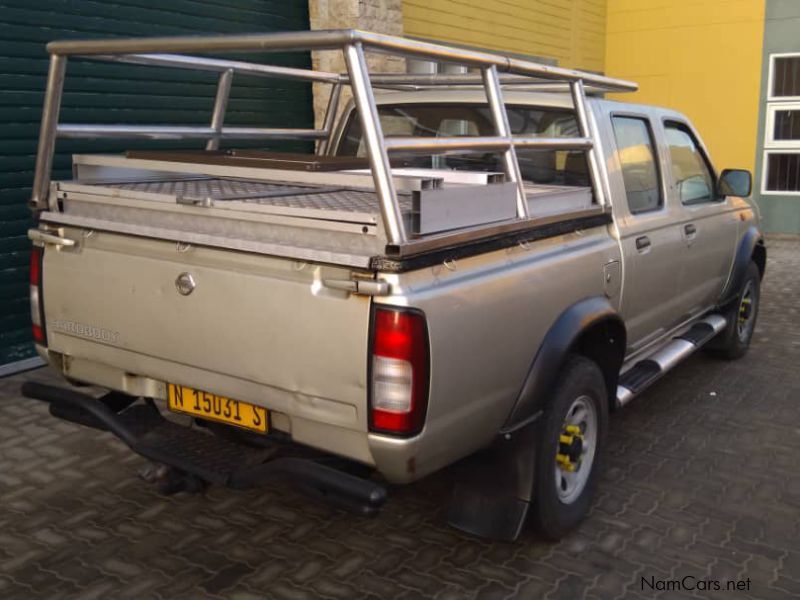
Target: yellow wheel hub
<point>744,310</point>
<point>570,448</point>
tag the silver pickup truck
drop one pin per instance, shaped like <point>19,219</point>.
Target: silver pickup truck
<point>471,268</point>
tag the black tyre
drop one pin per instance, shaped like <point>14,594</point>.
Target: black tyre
<point>570,442</point>
<point>733,341</point>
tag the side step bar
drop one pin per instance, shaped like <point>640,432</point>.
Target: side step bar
<point>211,458</point>
<point>645,372</point>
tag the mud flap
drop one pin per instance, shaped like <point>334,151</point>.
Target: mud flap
<point>494,487</point>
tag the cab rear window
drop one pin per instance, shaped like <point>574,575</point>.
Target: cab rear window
<point>558,167</point>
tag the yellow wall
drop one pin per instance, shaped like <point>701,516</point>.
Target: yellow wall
<point>571,31</point>
<point>701,57</point>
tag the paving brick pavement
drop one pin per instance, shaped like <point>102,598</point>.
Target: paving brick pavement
<point>701,480</point>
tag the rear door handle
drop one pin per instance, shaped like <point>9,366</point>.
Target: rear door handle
<point>642,243</point>
<point>690,229</point>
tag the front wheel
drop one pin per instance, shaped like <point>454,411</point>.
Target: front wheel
<point>733,341</point>
<point>571,439</point>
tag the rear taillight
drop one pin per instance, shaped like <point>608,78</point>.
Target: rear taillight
<point>37,309</point>
<point>399,371</point>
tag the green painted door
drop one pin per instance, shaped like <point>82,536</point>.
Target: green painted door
<point>104,93</point>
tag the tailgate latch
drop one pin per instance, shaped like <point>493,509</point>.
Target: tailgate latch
<point>359,286</point>
<point>43,237</point>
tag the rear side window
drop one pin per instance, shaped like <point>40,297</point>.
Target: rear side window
<point>691,172</point>
<point>637,158</point>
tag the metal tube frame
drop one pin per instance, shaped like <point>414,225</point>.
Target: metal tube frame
<point>202,63</point>
<point>585,129</point>
<point>496,71</point>
<point>47,131</point>
<point>374,141</point>
<point>220,106</point>
<point>168,132</point>
<point>325,145</point>
<point>482,144</point>
<point>494,96</point>
<point>331,40</point>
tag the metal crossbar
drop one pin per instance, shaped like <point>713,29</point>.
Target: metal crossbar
<point>496,71</point>
<point>482,143</point>
<point>165,132</point>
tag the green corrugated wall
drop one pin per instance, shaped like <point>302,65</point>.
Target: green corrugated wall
<point>105,93</point>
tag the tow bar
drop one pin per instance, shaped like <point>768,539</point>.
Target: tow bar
<point>210,458</point>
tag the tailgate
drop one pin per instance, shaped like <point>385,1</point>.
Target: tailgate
<point>254,327</point>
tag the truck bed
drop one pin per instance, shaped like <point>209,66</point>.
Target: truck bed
<point>330,203</point>
<point>331,217</point>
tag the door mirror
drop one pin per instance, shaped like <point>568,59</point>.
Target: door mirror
<point>735,182</point>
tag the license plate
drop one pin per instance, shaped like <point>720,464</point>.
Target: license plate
<point>190,401</point>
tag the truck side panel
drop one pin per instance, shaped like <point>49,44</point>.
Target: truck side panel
<point>486,319</point>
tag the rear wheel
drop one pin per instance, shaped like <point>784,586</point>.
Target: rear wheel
<point>734,340</point>
<point>570,442</point>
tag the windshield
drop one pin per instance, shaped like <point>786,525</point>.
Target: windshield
<point>559,167</point>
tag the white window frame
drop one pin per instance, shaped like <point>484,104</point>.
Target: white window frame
<point>772,146</point>
<point>770,97</point>
<point>769,137</point>
<point>764,173</point>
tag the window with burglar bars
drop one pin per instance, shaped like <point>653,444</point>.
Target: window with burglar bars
<point>782,132</point>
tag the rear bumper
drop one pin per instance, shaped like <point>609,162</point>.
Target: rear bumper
<point>211,458</point>
<point>326,425</point>
<point>310,422</point>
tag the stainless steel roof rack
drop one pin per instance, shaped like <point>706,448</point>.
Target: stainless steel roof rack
<point>496,71</point>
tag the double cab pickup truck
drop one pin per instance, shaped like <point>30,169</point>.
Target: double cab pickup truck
<point>471,269</point>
